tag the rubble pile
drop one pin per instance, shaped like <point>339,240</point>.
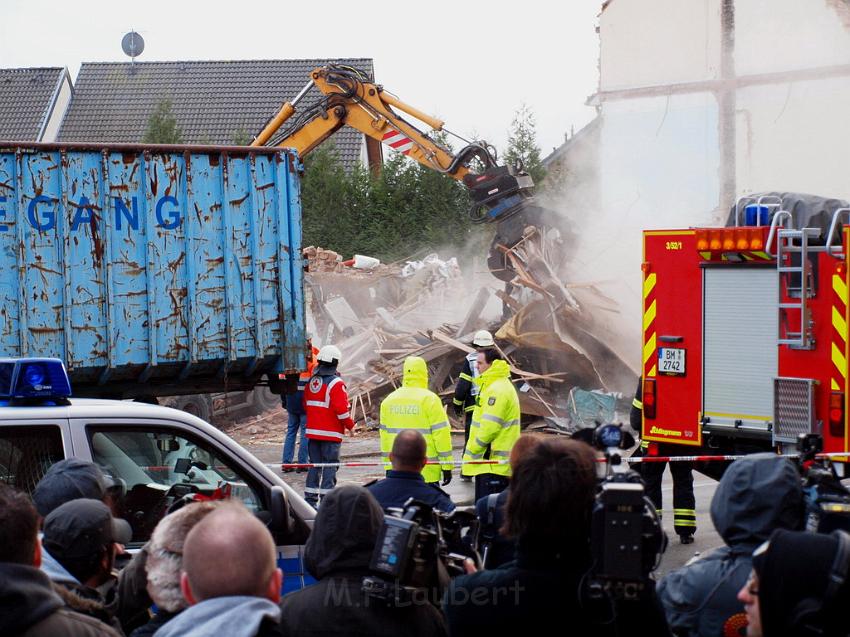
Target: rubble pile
<point>547,332</point>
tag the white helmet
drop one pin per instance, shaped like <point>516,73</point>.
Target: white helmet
<point>329,354</point>
<point>482,338</point>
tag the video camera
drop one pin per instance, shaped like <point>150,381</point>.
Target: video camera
<point>420,549</point>
<point>826,500</point>
<point>627,539</point>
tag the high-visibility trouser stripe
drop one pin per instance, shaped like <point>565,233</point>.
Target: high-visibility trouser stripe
<point>317,490</point>
<point>322,432</point>
<point>684,517</point>
<point>466,376</point>
<point>470,408</point>
<point>457,402</point>
<point>638,404</point>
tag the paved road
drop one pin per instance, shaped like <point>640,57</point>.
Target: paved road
<point>364,448</point>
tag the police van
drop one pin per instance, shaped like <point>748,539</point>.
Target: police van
<point>156,455</point>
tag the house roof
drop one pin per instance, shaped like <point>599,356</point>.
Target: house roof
<point>569,142</point>
<point>214,102</point>
<point>26,99</point>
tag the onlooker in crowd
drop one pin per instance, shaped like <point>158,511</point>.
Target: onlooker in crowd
<point>799,586</point>
<point>296,415</point>
<point>328,417</point>
<point>414,406</point>
<point>498,549</point>
<point>495,425</point>
<point>230,578</point>
<point>80,542</point>
<point>337,554</point>
<point>757,494</point>
<point>405,480</point>
<point>165,562</point>
<point>123,595</point>
<point>67,480</point>
<point>548,513</point>
<point>29,607</point>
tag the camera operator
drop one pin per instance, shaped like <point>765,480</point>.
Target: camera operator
<point>757,494</point>
<point>549,515</point>
<point>338,554</point>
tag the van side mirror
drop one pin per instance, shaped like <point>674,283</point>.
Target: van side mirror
<point>281,522</point>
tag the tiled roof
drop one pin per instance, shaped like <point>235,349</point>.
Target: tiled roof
<point>214,102</point>
<point>25,99</point>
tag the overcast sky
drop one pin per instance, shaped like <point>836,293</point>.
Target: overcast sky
<point>469,62</point>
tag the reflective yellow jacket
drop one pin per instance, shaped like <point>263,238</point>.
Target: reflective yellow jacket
<point>495,421</point>
<point>413,406</point>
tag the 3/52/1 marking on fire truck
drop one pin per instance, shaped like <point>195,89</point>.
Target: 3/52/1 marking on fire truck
<point>671,361</point>
<point>673,245</point>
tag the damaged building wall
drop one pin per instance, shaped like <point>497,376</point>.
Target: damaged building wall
<point>701,102</point>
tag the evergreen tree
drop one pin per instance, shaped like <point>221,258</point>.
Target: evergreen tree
<point>162,126</point>
<point>522,144</point>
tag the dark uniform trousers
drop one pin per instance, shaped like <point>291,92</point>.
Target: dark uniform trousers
<point>684,503</point>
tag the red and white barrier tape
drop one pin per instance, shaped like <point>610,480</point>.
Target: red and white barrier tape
<point>458,463</point>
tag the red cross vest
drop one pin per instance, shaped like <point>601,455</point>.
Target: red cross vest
<point>326,404</point>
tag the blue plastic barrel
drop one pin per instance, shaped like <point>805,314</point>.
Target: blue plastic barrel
<point>756,215</point>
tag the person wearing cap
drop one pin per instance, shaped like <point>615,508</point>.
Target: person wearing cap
<point>328,417</point>
<point>29,607</point>
<point>799,586</point>
<point>466,391</point>
<point>297,416</point>
<point>414,406</point>
<point>757,494</point>
<point>68,480</point>
<point>82,539</point>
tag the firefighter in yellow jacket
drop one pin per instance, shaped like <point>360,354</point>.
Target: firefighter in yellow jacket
<point>495,423</point>
<point>414,406</point>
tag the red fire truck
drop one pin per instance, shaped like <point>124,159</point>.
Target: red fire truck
<point>745,327</point>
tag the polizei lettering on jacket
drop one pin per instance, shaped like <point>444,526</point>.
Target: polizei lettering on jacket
<point>404,410</point>
<point>41,213</point>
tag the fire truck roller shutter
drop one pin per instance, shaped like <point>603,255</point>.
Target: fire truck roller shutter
<point>740,351</point>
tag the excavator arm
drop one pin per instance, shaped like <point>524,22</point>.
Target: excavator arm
<point>349,97</point>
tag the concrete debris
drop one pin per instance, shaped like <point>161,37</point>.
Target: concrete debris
<point>547,331</point>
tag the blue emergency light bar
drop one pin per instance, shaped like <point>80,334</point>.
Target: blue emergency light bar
<point>33,378</point>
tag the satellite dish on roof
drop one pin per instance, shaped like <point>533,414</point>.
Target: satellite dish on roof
<point>133,45</point>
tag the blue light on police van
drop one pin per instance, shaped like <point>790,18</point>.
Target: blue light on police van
<point>33,378</point>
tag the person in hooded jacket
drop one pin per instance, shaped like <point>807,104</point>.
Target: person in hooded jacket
<point>337,554</point>
<point>799,586</point>
<point>757,495</point>
<point>414,406</point>
<point>544,589</point>
<point>29,607</point>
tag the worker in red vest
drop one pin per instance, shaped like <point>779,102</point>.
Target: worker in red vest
<point>296,415</point>
<point>328,417</point>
